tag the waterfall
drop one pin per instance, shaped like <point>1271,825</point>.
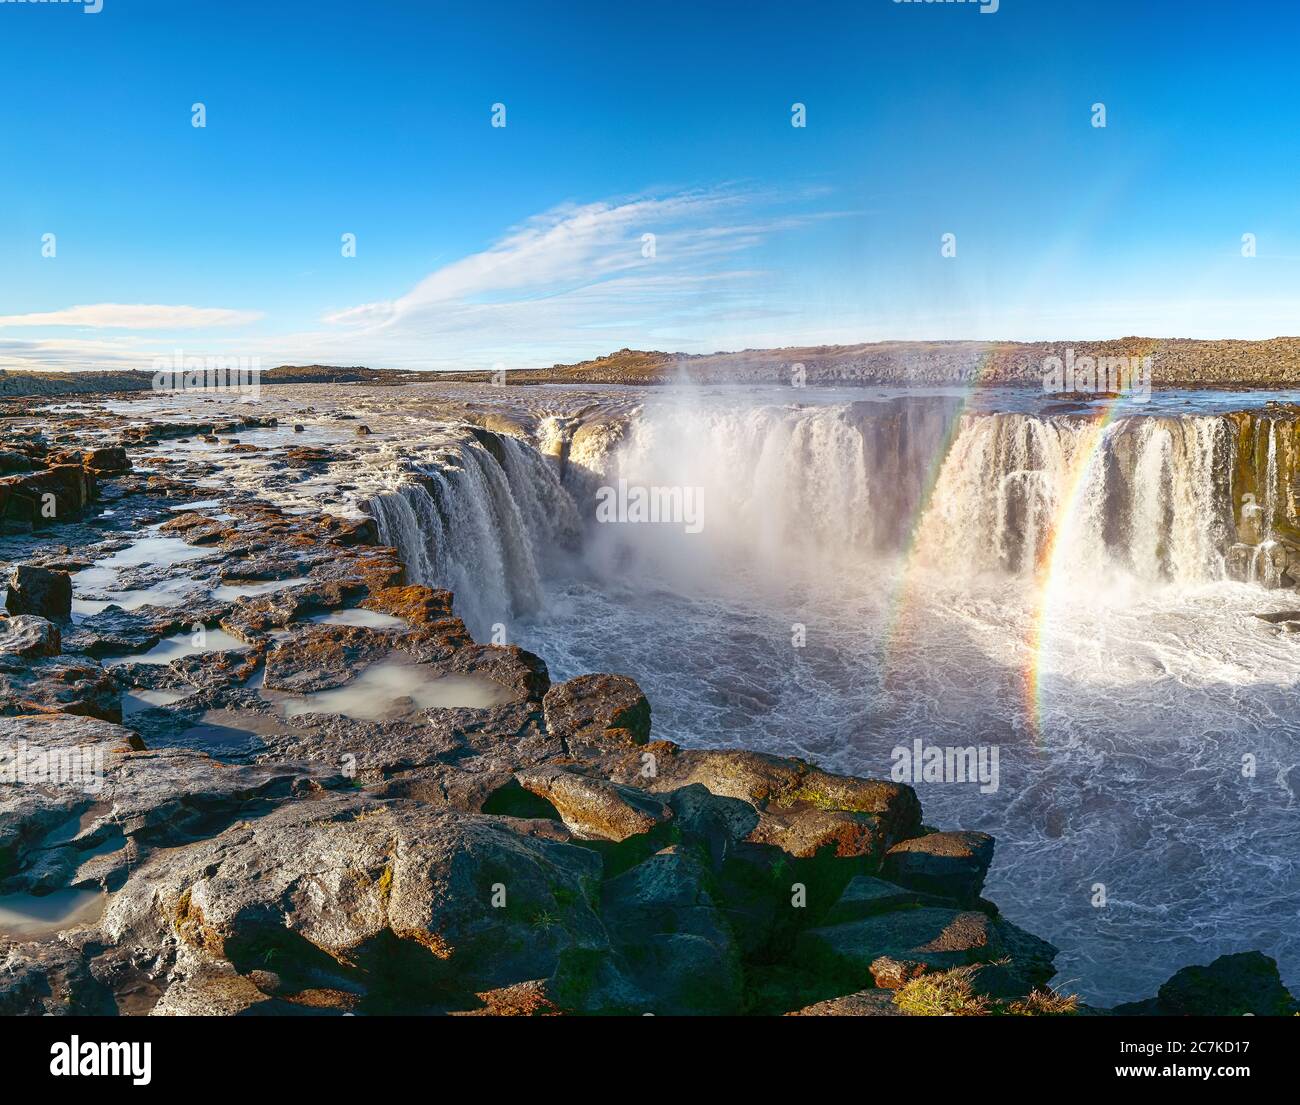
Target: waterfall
<point>1149,496</point>
<point>823,488</point>
<point>480,522</point>
<point>784,487</point>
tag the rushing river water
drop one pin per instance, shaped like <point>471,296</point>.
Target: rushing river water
<point>1074,585</point>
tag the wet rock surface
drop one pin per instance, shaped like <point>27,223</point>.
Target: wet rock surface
<point>261,851</point>
<point>40,591</point>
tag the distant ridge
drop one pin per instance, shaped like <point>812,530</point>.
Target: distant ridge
<point>1176,362</point>
<point>97,382</point>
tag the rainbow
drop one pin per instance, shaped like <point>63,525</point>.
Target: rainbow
<point>1048,575</point>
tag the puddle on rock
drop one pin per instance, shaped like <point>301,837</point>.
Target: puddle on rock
<point>218,730</point>
<point>228,592</point>
<point>171,592</point>
<point>159,552</point>
<point>174,648</point>
<point>384,688</point>
<point>35,917</point>
<point>371,619</point>
<point>139,699</point>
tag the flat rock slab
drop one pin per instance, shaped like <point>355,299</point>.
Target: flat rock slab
<point>938,939</point>
<point>866,896</point>
<point>952,865</point>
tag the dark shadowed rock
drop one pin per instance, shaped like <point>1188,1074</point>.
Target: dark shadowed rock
<point>107,460</point>
<point>866,896</point>
<point>1231,986</point>
<point>666,921</point>
<point>50,979</point>
<point>936,939</point>
<point>40,591</point>
<point>952,865</point>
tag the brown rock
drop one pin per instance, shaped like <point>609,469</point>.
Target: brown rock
<point>600,710</point>
<point>39,591</point>
<point>952,865</point>
<point>594,809</point>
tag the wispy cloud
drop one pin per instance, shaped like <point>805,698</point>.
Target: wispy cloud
<point>573,279</point>
<point>669,271</point>
<point>134,316</point>
<point>71,354</point>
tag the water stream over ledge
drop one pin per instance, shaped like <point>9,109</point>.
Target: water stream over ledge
<point>1081,594</point>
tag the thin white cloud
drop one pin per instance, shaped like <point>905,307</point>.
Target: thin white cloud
<point>576,278</point>
<point>134,316</point>
<point>569,283</point>
<point>71,354</point>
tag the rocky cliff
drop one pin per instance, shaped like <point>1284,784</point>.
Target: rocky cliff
<point>541,854</point>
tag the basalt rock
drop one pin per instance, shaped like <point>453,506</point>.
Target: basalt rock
<point>927,939</point>
<point>951,865</point>
<point>40,591</point>
<point>58,684</point>
<point>1238,985</point>
<point>865,1003</point>
<point>392,902</point>
<point>320,657</point>
<point>416,604</point>
<point>29,636</point>
<point>781,786</point>
<point>598,710</point>
<point>57,494</point>
<point>594,809</point>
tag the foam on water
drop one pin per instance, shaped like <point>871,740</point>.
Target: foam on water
<point>923,612</point>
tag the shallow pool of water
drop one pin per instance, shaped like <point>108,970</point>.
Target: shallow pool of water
<point>139,699</point>
<point>183,644</point>
<point>35,917</point>
<point>370,619</point>
<point>383,689</point>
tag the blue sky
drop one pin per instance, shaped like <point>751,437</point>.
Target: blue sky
<point>523,245</point>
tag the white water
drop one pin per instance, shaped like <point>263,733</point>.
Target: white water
<point>481,530</point>
<point>1155,679</point>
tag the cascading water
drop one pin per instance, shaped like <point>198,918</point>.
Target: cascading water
<point>871,572</point>
<point>1149,496</point>
<point>480,523</point>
